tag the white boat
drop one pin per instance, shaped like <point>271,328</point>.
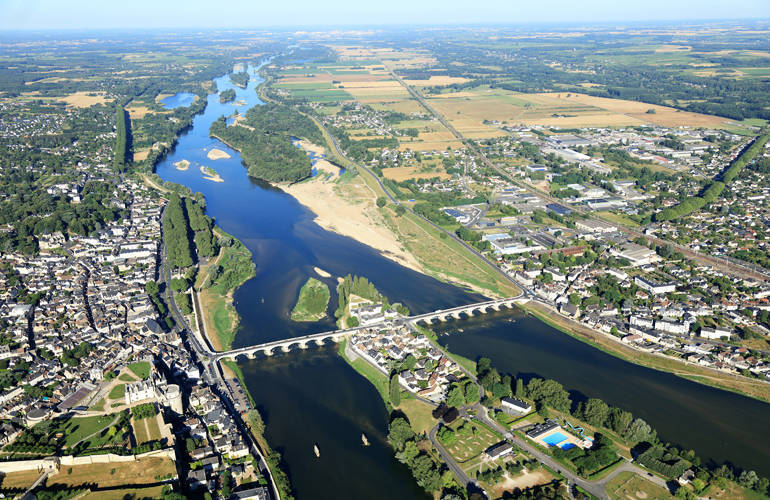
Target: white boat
<point>364,440</point>
<point>316,451</point>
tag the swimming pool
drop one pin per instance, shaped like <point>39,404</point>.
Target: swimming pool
<point>567,446</point>
<point>554,439</point>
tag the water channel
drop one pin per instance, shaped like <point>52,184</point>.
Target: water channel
<point>315,397</point>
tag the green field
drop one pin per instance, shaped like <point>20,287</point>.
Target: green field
<point>141,369</point>
<point>118,392</point>
<point>311,304</point>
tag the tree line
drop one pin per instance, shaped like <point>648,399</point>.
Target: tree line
<point>122,140</point>
<point>712,192</point>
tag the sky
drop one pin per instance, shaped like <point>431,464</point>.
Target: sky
<point>127,14</point>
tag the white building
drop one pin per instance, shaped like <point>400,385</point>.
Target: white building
<point>715,333</point>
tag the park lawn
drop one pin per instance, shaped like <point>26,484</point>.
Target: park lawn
<point>153,428</point>
<point>420,414</point>
<point>143,471</point>
<point>628,485</point>
<point>123,493</point>
<point>733,491</point>
<point>312,302</point>
<point>98,406</point>
<point>141,369</point>
<point>140,431</point>
<point>470,446</point>
<point>125,377</point>
<point>118,392</point>
<point>77,428</point>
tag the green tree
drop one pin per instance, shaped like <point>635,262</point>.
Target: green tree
<point>456,397</point>
<point>595,412</point>
<point>520,392</point>
<point>399,433</point>
<point>472,393</point>
<point>400,210</point>
<point>382,201</point>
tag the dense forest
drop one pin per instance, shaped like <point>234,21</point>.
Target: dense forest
<point>122,140</point>
<point>240,79</point>
<point>227,95</point>
<point>267,150</point>
<point>176,233</point>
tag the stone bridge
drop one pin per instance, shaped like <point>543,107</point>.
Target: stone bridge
<point>285,345</point>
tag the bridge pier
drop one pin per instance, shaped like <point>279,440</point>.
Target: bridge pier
<point>456,314</point>
<point>496,307</point>
<point>285,348</point>
<point>303,345</point>
<point>268,352</point>
<point>251,355</point>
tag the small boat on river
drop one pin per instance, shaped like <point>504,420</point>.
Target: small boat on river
<point>364,440</point>
<point>316,451</point>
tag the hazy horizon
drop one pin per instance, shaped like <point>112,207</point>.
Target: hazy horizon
<point>44,15</point>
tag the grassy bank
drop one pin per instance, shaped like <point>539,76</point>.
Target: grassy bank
<point>216,283</point>
<point>419,413</point>
<point>742,385</point>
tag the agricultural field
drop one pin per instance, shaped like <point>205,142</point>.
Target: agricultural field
<point>471,111</point>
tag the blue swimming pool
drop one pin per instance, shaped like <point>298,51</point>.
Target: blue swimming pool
<point>567,446</point>
<point>554,439</point>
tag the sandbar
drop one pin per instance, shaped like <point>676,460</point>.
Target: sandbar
<point>356,218</point>
<point>320,272</point>
<point>210,174</point>
<point>182,164</point>
<point>217,154</point>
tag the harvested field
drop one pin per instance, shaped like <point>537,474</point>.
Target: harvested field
<point>665,116</point>
<point>399,174</point>
<point>437,81</point>
<point>141,154</point>
<point>84,100</point>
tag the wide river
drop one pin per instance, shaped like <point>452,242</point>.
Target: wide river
<point>313,396</point>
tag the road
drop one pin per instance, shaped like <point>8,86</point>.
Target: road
<point>741,269</point>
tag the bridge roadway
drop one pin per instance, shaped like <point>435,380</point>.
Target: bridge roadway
<point>337,335</point>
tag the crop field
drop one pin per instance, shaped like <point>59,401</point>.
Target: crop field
<point>399,174</point>
<point>468,110</point>
<point>437,81</point>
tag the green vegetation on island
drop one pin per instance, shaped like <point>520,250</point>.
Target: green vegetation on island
<point>313,299</point>
<point>266,146</point>
<point>240,79</point>
<point>227,95</point>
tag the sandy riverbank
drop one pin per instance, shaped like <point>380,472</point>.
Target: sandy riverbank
<point>349,209</point>
<point>217,154</point>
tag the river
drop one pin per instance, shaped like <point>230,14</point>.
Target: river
<point>720,426</point>
<point>314,397</point>
<point>311,396</point>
